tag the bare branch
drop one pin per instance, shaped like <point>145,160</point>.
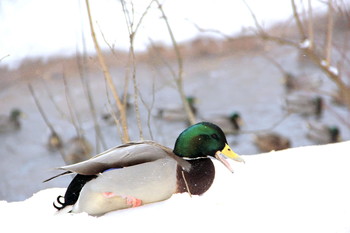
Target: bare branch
<point>311,25</point>
<point>2,58</point>
<point>329,33</point>
<point>121,108</point>
<point>87,91</point>
<point>179,79</point>
<point>130,21</point>
<point>298,21</point>
<point>257,24</point>
<point>73,116</point>
<point>41,110</point>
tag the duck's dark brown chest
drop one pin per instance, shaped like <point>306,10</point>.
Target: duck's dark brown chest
<point>199,179</point>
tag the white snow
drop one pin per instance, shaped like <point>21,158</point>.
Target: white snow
<point>305,44</point>
<point>305,189</point>
<point>331,69</point>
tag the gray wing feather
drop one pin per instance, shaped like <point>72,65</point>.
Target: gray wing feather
<point>124,156</point>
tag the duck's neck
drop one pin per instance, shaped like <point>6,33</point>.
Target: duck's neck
<point>199,179</point>
<point>235,124</point>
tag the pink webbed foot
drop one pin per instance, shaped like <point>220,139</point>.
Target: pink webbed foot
<point>134,202</point>
<point>109,194</point>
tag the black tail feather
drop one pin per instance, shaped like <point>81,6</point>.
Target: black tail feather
<point>59,202</point>
<point>73,191</point>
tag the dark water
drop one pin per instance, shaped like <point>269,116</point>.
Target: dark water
<point>246,83</point>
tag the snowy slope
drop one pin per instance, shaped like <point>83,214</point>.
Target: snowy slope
<point>304,189</point>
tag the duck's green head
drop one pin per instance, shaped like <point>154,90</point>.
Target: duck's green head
<point>334,134</point>
<point>204,139</point>
<point>191,100</point>
<point>15,114</point>
<point>236,120</point>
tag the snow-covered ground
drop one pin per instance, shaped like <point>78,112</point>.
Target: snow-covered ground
<point>305,189</point>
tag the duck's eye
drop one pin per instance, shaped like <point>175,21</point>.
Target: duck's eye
<point>215,136</point>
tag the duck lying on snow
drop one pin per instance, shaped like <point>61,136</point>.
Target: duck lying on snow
<point>138,173</point>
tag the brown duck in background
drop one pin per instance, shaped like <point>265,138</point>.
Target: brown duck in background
<point>77,149</point>
<point>305,105</point>
<point>267,142</point>
<point>177,114</point>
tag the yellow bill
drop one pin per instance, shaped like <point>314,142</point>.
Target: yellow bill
<point>227,152</point>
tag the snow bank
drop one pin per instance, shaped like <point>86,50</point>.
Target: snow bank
<point>304,189</point>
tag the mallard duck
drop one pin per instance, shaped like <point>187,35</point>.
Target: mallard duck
<point>76,150</point>
<point>54,142</point>
<point>323,134</point>
<point>290,82</point>
<point>109,114</point>
<point>177,114</point>
<point>139,173</point>
<point>230,124</point>
<point>305,105</point>
<point>271,141</point>
<point>299,82</point>
<point>10,123</point>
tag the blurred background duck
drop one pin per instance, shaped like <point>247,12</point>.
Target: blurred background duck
<point>178,113</point>
<point>54,142</point>
<point>230,124</point>
<point>305,105</point>
<point>323,134</point>
<point>77,149</point>
<point>290,82</point>
<point>271,142</point>
<point>111,112</point>
<point>11,122</point>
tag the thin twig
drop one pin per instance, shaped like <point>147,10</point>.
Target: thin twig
<point>107,75</point>
<point>73,115</point>
<point>329,34</point>
<point>81,62</point>
<point>311,25</point>
<point>149,109</point>
<point>256,22</point>
<point>87,91</point>
<point>298,21</point>
<point>43,115</point>
<point>187,187</point>
<point>2,58</point>
<point>130,21</point>
<point>51,97</point>
<point>179,78</point>
<point>271,127</point>
<point>215,31</point>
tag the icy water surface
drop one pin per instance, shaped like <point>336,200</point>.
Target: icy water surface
<point>248,84</point>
